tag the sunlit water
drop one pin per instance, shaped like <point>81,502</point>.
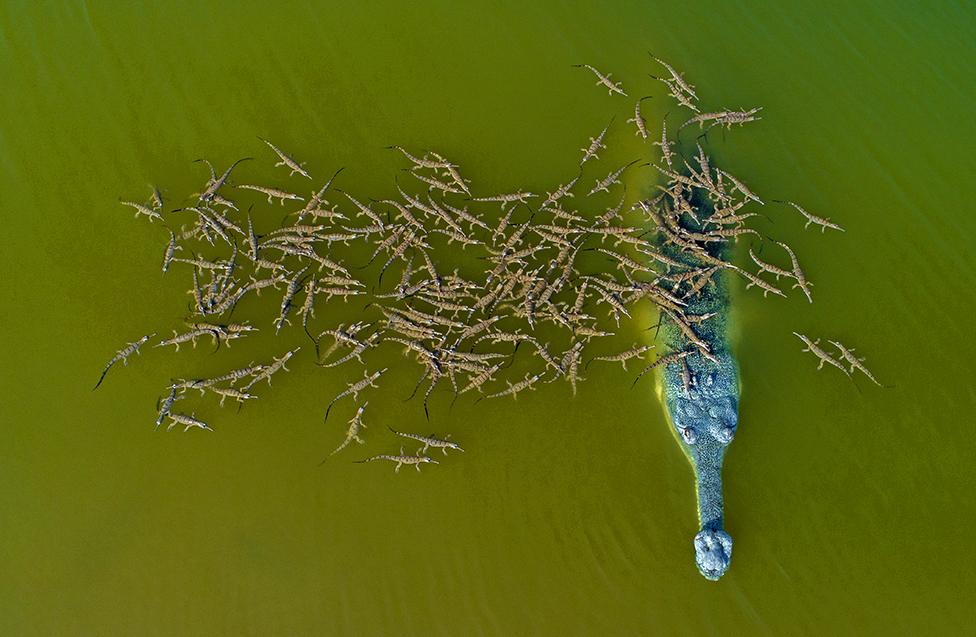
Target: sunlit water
<point>850,511</point>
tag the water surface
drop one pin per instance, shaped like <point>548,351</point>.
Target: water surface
<point>566,515</point>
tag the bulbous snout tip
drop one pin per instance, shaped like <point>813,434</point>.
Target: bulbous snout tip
<point>713,553</point>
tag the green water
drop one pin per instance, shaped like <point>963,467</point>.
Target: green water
<point>850,511</point>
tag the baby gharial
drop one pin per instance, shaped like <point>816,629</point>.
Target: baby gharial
<point>707,408</point>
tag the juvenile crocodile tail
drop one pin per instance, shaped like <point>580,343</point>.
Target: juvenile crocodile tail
<point>101,378</point>
<point>328,409</point>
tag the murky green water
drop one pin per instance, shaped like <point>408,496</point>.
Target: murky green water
<point>850,512</point>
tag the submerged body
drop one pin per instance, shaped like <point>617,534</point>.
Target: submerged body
<point>702,402</point>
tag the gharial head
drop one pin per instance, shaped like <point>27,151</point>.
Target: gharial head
<point>723,433</point>
<point>713,552</point>
<point>707,411</point>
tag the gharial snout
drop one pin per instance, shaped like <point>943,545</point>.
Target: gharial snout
<point>713,552</point>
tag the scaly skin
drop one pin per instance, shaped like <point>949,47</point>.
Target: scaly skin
<point>705,418</point>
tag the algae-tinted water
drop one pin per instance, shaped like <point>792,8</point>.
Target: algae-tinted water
<point>566,516</point>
